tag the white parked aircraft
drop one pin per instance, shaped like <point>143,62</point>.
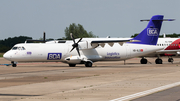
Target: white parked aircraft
<point>89,50</point>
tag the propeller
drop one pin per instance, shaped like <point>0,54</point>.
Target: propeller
<point>75,45</point>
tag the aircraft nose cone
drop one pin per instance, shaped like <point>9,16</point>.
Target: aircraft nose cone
<point>7,56</point>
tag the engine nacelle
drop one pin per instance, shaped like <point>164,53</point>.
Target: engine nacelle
<point>178,53</point>
<point>87,45</point>
<point>73,60</point>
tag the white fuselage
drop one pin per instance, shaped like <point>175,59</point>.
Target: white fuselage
<point>47,52</point>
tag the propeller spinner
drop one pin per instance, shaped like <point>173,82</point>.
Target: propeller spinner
<point>75,45</point>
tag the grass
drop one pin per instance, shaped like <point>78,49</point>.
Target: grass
<point>45,77</point>
<point>1,54</point>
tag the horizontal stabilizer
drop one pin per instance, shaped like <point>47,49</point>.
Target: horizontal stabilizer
<point>158,19</point>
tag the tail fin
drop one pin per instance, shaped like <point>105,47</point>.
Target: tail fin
<point>150,34</point>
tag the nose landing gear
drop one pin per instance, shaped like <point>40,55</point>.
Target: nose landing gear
<point>14,64</point>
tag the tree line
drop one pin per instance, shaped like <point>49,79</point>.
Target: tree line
<point>8,43</point>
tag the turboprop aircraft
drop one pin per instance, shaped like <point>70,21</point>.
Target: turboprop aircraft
<point>89,50</point>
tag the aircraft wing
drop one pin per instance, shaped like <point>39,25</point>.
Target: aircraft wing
<point>169,51</point>
<point>111,42</point>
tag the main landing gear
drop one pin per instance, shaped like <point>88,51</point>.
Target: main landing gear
<point>14,64</point>
<point>158,61</point>
<point>72,65</point>
<point>143,61</point>
<point>170,60</point>
<point>87,64</point>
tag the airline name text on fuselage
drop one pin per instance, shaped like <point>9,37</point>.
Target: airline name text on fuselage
<point>54,56</point>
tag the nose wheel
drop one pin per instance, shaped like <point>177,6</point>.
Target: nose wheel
<point>14,64</point>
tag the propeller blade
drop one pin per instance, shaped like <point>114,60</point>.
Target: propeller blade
<point>72,37</point>
<point>79,40</point>
<point>72,49</point>
<point>78,51</point>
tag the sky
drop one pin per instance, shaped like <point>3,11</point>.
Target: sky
<point>115,18</point>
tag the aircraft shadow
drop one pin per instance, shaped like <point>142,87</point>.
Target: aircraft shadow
<point>17,95</point>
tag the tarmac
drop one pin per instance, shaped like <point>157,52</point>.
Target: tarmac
<point>105,81</point>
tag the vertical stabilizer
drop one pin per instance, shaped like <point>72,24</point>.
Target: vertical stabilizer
<point>150,34</point>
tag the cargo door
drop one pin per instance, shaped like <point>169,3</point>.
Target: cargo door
<point>128,51</point>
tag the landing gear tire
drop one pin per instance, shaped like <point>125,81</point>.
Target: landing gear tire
<point>14,64</point>
<point>72,65</point>
<point>158,61</point>
<point>143,61</point>
<point>88,64</point>
<point>170,60</point>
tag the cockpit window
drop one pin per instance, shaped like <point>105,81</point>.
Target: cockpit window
<point>23,48</point>
<point>18,48</point>
<point>14,48</point>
